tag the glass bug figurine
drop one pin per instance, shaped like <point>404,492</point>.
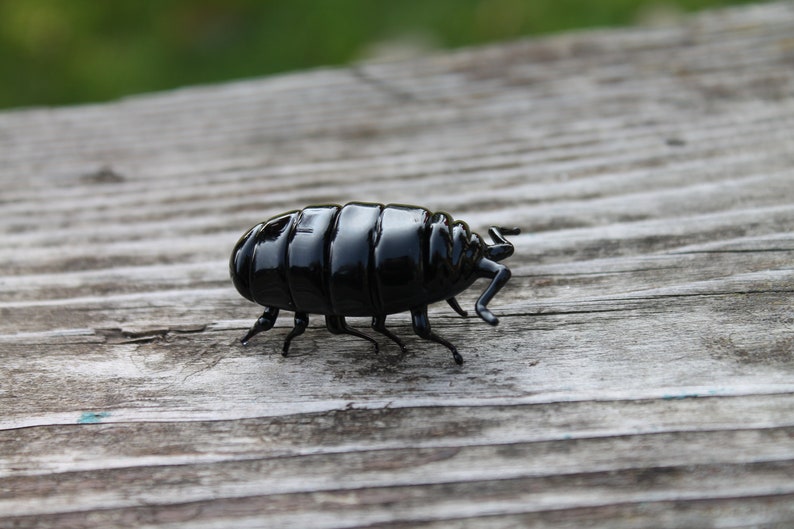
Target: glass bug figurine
<point>365,259</point>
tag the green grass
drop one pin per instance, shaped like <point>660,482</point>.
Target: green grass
<point>55,52</point>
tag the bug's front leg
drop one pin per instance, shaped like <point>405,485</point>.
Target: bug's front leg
<point>499,275</point>
<point>456,307</point>
<point>501,247</point>
<point>264,323</point>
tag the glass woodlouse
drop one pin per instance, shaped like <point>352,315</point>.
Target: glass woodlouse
<point>365,259</point>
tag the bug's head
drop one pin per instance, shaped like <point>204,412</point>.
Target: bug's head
<point>240,262</point>
<point>501,248</point>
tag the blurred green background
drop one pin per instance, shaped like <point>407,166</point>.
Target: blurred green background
<point>55,52</point>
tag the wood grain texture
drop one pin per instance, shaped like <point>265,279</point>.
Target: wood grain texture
<point>643,371</point>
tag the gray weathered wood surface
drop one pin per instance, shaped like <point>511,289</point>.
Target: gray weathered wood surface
<point>642,375</point>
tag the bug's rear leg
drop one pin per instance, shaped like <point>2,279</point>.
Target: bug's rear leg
<point>456,307</point>
<point>338,325</point>
<point>379,324</point>
<point>499,275</point>
<point>301,321</point>
<point>264,323</point>
<point>422,328</point>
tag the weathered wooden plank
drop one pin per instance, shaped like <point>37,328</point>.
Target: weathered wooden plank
<point>508,490</point>
<point>384,428</point>
<point>642,373</point>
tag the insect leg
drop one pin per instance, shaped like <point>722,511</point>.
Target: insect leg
<point>337,325</point>
<point>456,307</point>
<point>501,248</point>
<point>499,275</point>
<point>301,321</point>
<point>264,323</point>
<point>379,324</point>
<point>422,328</point>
